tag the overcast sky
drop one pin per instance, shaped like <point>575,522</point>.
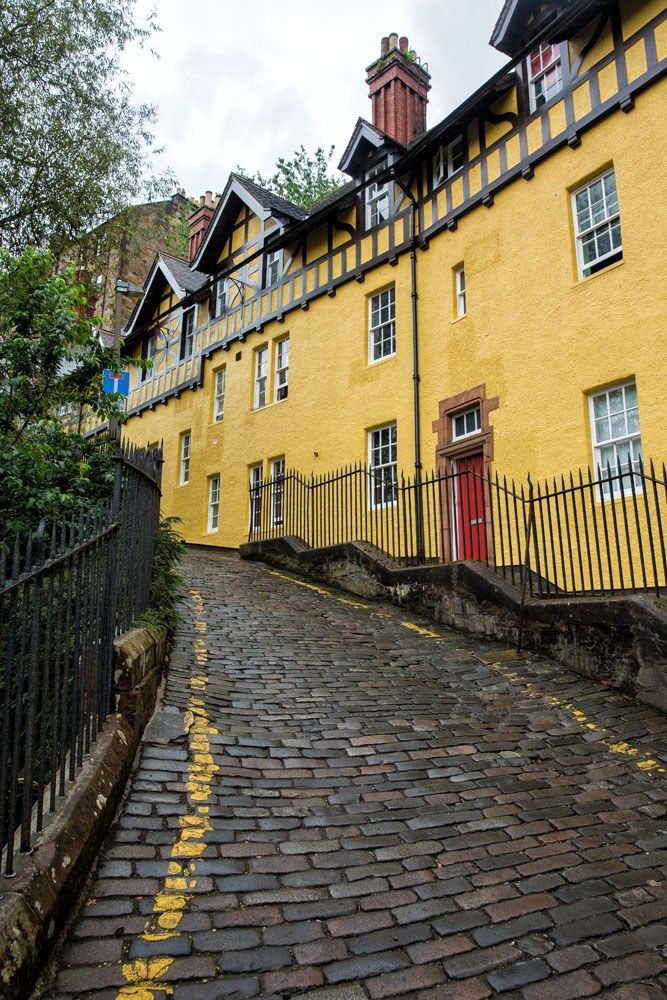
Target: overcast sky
<point>245,82</point>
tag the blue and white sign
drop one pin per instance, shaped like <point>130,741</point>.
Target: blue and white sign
<point>115,382</point>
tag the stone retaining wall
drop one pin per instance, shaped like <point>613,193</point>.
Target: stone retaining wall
<point>36,903</point>
<point>621,641</point>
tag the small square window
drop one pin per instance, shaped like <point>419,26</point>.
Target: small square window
<point>466,423</point>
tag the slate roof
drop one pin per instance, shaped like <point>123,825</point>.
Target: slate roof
<point>184,275</point>
<point>272,202</point>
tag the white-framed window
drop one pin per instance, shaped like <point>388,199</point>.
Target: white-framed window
<point>449,160</point>
<point>545,74</point>
<point>188,334</point>
<point>219,394</point>
<point>383,467</point>
<point>220,298</point>
<point>461,295</point>
<point>282,369</point>
<point>382,325</point>
<point>617,446</point>
<point>277,491</point>
<point>261,376</point>
<point>184,472</point>
<point>256,478</point>
<point>151,349</point>
<point>598,224</point>
<point>213,503</point>
<point>466,423</point>
<point>273,266</point>
<point>377,199</point>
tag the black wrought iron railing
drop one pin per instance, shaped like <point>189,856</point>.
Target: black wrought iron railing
<point>587,534</point>
<point>65,593</point>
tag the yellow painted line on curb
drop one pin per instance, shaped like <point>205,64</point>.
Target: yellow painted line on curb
<point>497,661</point>
<point>641,758</point>
<point>145,976</point>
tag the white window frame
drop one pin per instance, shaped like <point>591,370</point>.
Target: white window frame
<point>278,492</point>
<point>535,80</point>
<point>214,502</point>
<point>610,222</point>
<point>382,325</point>
<point>256,473</point>
<point>219,389</point>
<point>273,268</point>
<point>186,450</point>
<point>631,438</point>
<point>464,414</point>
<point>461,291</point>
<point>260,392</point>
<point>388,490</point>
<point>377,199</point>
<point>221,295</point>
<point>151,351</point>
<point>281,387</point>
<point>188,334</point>
<point>446,159</point>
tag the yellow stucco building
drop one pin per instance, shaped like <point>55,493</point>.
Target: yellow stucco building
<point>527,230</point>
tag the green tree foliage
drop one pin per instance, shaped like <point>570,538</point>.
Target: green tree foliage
<point>74,148</point>
<point>303,179</point>
<point>50,366</point>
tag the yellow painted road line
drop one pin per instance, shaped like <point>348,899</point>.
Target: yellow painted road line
<point>145,976</point>
<point>318,590</point>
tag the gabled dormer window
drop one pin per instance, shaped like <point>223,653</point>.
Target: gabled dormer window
<point>448,160</point>
<point>377,199</point>
<point>273,266</point>
<point>188,334</point>
<point>545,74</point>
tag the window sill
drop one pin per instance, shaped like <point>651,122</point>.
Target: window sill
<point>380,361</point>
<point>580,282</point>
<point>267,406</point>
<point>459,319</point>
<point>182,486</point>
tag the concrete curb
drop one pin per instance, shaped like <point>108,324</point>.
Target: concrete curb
<point>36,903</point>
<point>621,641</point>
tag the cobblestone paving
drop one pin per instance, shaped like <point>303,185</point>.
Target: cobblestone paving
<point>338,801</point>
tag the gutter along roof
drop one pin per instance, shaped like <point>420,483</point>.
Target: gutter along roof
<point>577,13</point>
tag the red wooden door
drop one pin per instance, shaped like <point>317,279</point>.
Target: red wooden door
<point>470,513</point>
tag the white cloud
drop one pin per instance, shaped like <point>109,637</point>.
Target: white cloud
<point>244,83</point>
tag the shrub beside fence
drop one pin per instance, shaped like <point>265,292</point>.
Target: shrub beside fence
<point>65,593</point>
<point>598,534</point>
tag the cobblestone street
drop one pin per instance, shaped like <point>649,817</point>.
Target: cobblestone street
<point>338,799</point>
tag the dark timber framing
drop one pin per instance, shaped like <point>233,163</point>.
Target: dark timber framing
<point>304,281</point>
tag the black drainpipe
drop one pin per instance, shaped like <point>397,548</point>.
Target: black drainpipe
<point>416,378</point>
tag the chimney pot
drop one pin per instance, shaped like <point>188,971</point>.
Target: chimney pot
<point>199,222</point>
<point>398,90</point>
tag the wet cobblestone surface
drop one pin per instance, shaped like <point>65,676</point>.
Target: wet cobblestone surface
<point>339,800</point>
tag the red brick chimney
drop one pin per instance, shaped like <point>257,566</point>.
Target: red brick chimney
<point>199,222</point>
<point>399,86</point>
